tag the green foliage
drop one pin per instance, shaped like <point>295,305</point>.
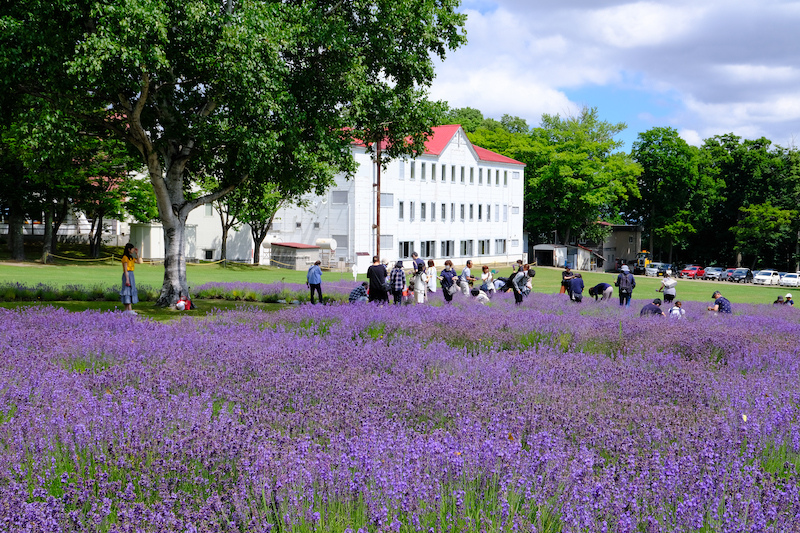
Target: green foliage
<point>237,90</point>
<point>762,227</point>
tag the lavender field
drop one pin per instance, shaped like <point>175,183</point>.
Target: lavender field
<point>548,417</point>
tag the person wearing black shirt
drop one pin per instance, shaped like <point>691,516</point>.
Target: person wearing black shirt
<point>376,274</point>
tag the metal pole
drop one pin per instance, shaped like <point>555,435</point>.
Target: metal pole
<point>378,203</point>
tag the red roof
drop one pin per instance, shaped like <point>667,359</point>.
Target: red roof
<point>294,245</point>
<point>442,135</point>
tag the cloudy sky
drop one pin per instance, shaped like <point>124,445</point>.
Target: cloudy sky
<point>703,67</point>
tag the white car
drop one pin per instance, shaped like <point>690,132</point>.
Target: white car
<point>652,269</point>
<point>767,277</point>
<point>791,279</point>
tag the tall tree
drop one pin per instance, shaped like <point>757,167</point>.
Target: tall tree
<point>762,228</point>
<point>575,174</point>
<point>189,76</point>
<point>671,205</point>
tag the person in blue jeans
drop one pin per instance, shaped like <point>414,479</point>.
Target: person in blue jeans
<point>314,280</point>
<point>625,283</point>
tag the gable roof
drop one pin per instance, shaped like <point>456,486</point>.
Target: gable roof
<point>442,135</point>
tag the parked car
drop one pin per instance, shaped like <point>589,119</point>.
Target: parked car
<point>662,270</point>
<point>767,277</point>
<point>742,275</point>
<point>726,274</point>
<point>791,279</point>
<point>713,273</point>
<point>692,272</point>
<point>652,269</point>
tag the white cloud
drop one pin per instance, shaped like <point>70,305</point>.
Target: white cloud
<point>704,67</point>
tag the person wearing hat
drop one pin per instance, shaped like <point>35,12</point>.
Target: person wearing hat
<point>652,309</point>
<point>314,280</point>
<point>779,301</point>
<point>668,287</point>
<point>787,300</point>
<point>721,304</point>
<point>625,284</point>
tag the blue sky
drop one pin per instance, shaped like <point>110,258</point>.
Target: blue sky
<point>704,67</point>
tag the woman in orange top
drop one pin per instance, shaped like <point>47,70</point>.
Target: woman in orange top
<point>129,294</point>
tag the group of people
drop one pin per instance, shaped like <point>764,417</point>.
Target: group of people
<point>424,279</point>
<point>784,300</point>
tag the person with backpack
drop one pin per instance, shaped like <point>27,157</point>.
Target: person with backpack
<point>677,311</point>
<point>376,274</point>
<point>625,284</point>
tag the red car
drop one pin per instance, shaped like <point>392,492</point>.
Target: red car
<point>692,272</point>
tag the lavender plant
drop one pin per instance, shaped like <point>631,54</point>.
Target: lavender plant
<point>550,416</point>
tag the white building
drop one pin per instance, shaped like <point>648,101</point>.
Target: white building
<point>456,201</point>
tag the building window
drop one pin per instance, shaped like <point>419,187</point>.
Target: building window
<point>444,172</point>
<point>471,212</point>
<point>340,197</point>
<point>480,176</point>
<point>488,212</point>
<point>406,248</point>
<point>316,225</point>
<point>401,169</point>
<point>444,212</point>
<point>480,212</point>
<point>422,171</point>
<point>515,243</point>
<point>483,247</point>
<point>342,242</point>
<point>433,172</point>
<point>463,212</point>
<point>413,169</point>
<point>387,242</point>
<point>497,212</point>
<point>515,210</point>
<point>448,248</point>
<point>422,209</point>
<point>499,246</point>
<point>411,211</point>
<point>471,175</point>
<point>452,212</point>
<point>387,199</point>
<point>505,178</point>
<point>433,211</point>
<point>496,178</point>
<point>209,254</point>
<point>630,240</point>
<point>209,210</point>
<point>466,248</point>
<point>427,249</point>
<point>462,175</point>
<point>505,212</point>
<point>452,174</point>
<point>515,175</point>
<point>400,210</point>
<point>298,225</point>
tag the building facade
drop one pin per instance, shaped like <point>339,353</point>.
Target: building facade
<point>456,201</point>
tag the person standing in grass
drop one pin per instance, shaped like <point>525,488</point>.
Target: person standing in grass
<point>626,283</point>
<point>397,280</point>
<point>129,294</point>
<point>377,274</point>
<point>314,280</point>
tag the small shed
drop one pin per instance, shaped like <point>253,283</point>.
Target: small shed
<point>294,255</point>
<point>554,255</point>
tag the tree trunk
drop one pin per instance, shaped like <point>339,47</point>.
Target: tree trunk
<point>96,238</point>
<point>59,215</point>
<point>224,251</point>
<point>16,243</point>
<point>48,232</point>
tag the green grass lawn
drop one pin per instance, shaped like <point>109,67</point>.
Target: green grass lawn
<point>546,280</point>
